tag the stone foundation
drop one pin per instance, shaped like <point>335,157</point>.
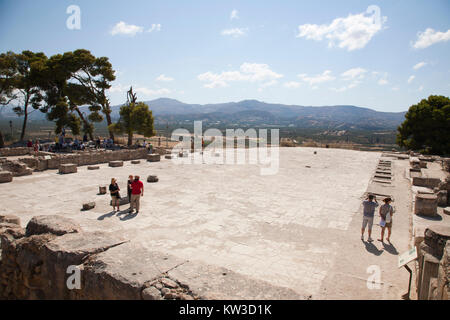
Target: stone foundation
<point>425,205</point>
<point>42,262</point>
<point>68,168</point>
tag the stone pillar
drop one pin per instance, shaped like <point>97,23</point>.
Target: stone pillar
<point>68,168</point>
<point>5,176</point>
<point>153,157</point>
<point>116,163</point>
<point>426,205</point>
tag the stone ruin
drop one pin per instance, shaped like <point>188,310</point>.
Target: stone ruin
<point>38,261</point>
<point>433,276</point>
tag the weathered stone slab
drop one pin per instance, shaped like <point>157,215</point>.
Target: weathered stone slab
<point>426,182</point>
<point>155,157</point>
<point>116,163</point>
<point>152,178</point>
<point>53,224</point>
<point>168,156</point>
<point>426,205</point>
<point>5,176</point>
<point>10,219</point>
<point>93,167</point>
<point>89,205</point>
<point>210,282</point>
<point>135,161</point>
<point>436,238</point>
<point>447,210</point>
<point>117,274</point>
<point>68,168</point>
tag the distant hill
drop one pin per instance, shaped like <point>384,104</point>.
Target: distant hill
<point>254,112</point>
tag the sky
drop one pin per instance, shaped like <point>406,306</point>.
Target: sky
<point>384,55</point>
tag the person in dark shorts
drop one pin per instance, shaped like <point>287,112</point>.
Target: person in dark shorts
<point>115,196</point>
<point>129,182</point>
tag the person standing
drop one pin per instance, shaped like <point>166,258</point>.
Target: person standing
<point>386,213</point>
<point>115,196</point>
<point>369,206</point>
<point>137,191</point>
<point>129,182</point>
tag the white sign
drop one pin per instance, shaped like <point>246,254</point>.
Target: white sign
<point>407,256</point>
<point>47,157</point>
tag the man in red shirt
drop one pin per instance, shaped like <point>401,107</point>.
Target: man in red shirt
<point>137,190</point>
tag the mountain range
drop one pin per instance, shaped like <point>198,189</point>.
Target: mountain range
<point>254,112</point>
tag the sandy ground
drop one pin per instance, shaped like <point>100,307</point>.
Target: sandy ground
<point>299,228</point>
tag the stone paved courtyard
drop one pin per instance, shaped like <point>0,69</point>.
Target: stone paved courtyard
<point>287,229</point>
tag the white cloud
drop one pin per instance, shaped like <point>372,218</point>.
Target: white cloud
<point>249,72</point>
<point>292,84</point>
<point>235,32</point>
<point>430,37</point>
<point>126,29</point>
<point>419,65</point>
<point>164,78</point>
<point>355,73</point>
<point>312,80</point>
<point>411,78</point>
<point>352,32</point>
<point>234,14</point>
<point>382,82</point>
<point>345,88</point>
<point>155,27</point>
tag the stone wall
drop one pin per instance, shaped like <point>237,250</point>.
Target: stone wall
<point>53,161</point>
<point>34,265</point>
<point>11,152</point>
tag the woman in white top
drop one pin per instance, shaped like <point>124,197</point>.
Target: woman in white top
<point>386,213</point>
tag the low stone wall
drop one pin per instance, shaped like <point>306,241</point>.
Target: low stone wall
<point>12,152</point>
<point>53,255</point>
<point>426,182</point>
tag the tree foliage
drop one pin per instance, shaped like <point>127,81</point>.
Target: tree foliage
<point>427,126</point>
<point>135,117</point>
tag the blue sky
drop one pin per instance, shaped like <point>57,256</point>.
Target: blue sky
<point>293,52</point>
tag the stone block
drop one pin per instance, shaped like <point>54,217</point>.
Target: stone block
<point>429,270</point>
<point>102,190</point>
<point>168,156</point>
<point>426,182</point>
<point>93,167</point>
<point>155,157</point>
<point>425,205</point>
<point>135,161</point>
<point>53,224</point>
<point>436,238</point>
<point>116,163</point>
<point>5,176</point>
<point>152,179</point>
<point>447,210</point>
<point>10,219</point>
<point>68,168</point>
<point>442,198</point>
<point>88,205</point>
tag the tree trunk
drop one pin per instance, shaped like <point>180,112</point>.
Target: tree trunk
<point>2,142</point>
<point>86,123</point>
<point>25,119</point>
<point>130,138</point>
<point>109,122</point>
